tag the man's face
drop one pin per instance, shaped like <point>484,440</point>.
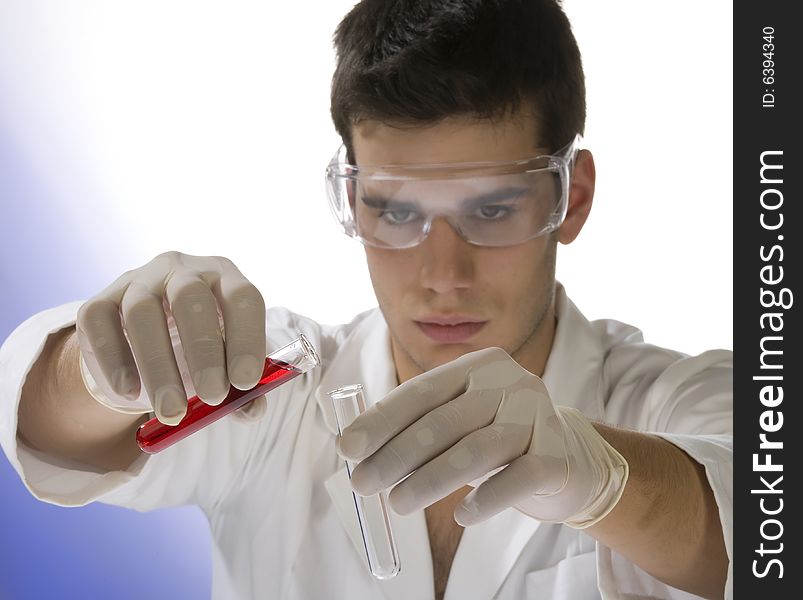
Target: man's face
<point>446,297</point>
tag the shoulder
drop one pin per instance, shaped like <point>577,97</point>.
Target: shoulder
<point>617,348</point>
<point>626,354</point>
<point>661,389</point>
<point>283,325</point>
<point>283,318</point>
<point>644,385</point>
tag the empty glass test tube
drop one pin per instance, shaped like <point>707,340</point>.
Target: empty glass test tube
<point>372,512</point>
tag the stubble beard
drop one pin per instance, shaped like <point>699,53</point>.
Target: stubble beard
<point>529,332</point>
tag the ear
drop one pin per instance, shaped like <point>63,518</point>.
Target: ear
<point>581,196</point>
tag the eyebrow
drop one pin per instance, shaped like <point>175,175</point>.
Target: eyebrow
<point>380,202</point>
<point>502,194</point>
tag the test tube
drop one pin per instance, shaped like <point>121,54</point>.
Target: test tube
<point>281,366</point>
<point>372,513</point>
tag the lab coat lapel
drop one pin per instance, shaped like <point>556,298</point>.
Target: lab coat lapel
<point>486,553</point>
<point>573,376</point>
<point>365,357</point>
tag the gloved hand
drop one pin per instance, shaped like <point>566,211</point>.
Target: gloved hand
<point>196,294</point>
<point>459,422</point>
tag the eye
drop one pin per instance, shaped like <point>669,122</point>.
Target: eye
<point>398,217</point>
<point>494,212</point>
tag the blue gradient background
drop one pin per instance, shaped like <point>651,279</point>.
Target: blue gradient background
<point>110,153</point>
<point>97,551</point>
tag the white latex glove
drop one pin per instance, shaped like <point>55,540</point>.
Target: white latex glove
<point>196,296</point>
<point>459,422</point>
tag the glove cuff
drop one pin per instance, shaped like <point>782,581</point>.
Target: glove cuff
<point>610,465</point>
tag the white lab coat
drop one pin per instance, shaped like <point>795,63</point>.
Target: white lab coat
<point>278,499</point>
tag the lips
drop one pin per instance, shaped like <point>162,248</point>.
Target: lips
<point>450,330</point>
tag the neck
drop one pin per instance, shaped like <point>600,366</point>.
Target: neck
<point>534,353</point>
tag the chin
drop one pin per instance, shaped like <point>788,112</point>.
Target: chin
<point>440,354</point>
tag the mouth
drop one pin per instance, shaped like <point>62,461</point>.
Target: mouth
<point>450,331</point>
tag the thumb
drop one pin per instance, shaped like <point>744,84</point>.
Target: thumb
<point>253,411</point>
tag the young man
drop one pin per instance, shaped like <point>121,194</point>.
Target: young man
<point>495,404</point>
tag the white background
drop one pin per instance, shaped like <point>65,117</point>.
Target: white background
<point>205,128</point>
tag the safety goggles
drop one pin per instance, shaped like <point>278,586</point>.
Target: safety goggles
<point>487,203</point>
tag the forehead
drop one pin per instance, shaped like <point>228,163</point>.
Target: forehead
<point>455,139</point>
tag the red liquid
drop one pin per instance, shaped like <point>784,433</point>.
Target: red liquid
<point>154,436</point>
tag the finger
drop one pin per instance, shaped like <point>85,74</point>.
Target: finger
<point>195,314</point>
<point>471,458</point>
<point>430,436</point>
<point>144,320</point>
<point>525,401</point>
<point>105,349</point>
<point>419,395</point>
<point>524,478</point>
<point>244,321</point>
<point>401,407</point>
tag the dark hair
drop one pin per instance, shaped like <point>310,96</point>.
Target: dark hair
<point>419,61</point>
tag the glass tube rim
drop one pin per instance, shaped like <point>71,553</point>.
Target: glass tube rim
<point>309,351</point>
<point>346,391</point>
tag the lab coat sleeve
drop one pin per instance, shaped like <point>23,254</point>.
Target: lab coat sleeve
<point>689,402</point>
<point>199,470</point>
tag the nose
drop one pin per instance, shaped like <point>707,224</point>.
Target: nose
<point>447,260</point>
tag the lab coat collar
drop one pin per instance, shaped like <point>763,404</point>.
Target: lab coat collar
<point>573,372</point>
<point>573,375</point>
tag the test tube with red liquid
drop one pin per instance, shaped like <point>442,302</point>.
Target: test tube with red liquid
<point>281,366</point>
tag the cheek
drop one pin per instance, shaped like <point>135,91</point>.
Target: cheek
<point>510,267</point>
<point>517,275</point>
<point>389,270</point>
